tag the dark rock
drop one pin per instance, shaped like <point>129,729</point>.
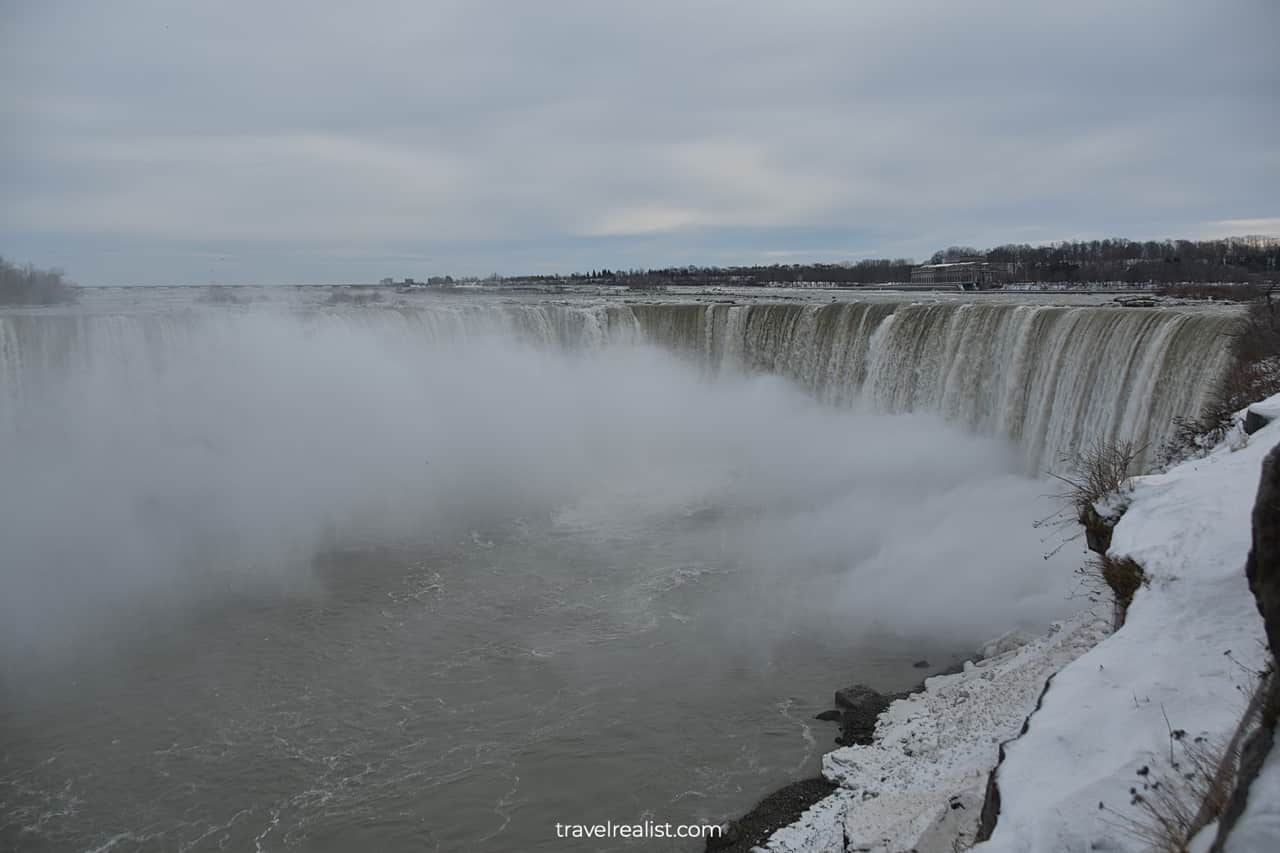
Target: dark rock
<point>775,811</point>
<point>1263,566</point>
<point>856,696</point>
<point>921,664</point>
<point>829,716</point>
<point>990,814</point>
<point>1253,421</point>
<point>861,708</point>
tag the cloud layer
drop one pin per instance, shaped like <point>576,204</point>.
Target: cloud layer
<point>323,141</point>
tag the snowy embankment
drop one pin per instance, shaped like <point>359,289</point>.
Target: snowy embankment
<point>1186,660</point>
<point>1169,687</point>
<point>923,779</point>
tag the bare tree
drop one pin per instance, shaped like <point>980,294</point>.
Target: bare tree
<point>27,285</point>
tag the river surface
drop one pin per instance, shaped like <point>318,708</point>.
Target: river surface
<point>465,695</point>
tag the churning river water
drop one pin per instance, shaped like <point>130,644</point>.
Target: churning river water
<point>287,572</point>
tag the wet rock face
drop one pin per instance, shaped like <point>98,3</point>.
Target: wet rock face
<point>859,707</point>
<point>1263,566</point>
<point>1097,530</point>
<point>1254,421</point>
<point>856,697</point>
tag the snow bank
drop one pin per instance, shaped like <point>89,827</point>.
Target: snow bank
<point>1186,659</point>
<point>1259,827</point>
<point>923,779</point>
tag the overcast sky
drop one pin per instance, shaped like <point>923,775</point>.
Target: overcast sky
<point>237,142</point>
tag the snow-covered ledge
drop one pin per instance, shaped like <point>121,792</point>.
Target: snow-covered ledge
<point>1176,676</point>
<point>1186,660</point>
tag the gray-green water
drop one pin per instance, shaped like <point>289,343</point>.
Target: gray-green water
<point>451,698</point>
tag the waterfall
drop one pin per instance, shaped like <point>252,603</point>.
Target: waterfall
<point>1050,379</point>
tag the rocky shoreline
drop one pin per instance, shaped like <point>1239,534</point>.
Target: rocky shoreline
<point>857,710</point>
<point>915,765</point>
<point>781,808</point>
<point>858,707</point>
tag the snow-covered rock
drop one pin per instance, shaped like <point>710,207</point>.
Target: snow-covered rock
<point>1185,660</point>
<point>934,750</point>
<point>1006,642</point>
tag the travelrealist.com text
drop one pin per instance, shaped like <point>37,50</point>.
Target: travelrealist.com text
<point>647,829</point>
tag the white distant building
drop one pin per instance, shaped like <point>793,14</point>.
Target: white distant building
<point>964,274</point>
<point>1256,241</point>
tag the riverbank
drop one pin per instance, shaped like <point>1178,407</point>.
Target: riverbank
<point>1082,723</point>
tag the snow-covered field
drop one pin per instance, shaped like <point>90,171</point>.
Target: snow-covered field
<point>1171,684</point>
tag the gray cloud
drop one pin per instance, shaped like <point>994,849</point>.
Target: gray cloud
<point>314,141</point>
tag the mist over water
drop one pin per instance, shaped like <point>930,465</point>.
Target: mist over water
<point>227,462</point>
<point>437,579</point>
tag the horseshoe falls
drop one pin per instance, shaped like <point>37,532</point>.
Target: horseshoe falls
<point>1049,379</point>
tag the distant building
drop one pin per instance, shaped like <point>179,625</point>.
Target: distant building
<point>387,282</point>
<point>1256,241</point>
<point>408,282</point>
<point>964,274</point>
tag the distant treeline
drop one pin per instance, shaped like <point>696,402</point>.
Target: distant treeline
<point>848,274</point>
<point>1161,261</point>
<point>1151,261</point>
<point>27,285</point>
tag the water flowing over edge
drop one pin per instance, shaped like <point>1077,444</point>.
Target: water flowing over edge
<point>1050,379</point>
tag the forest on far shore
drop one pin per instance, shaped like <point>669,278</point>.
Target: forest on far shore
<point>1236,259</point>
<point>1253,261</point>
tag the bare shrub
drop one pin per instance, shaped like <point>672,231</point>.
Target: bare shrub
<point>1254,374</point>
<point>1124,576</point>
<point>1174,801</point>
<point>1116,578</point>
<point>1102,471</point>
<point>1192,785</point>
<point>1178,798</point>
<point>1097,494</point>
<point>1260,338</point>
